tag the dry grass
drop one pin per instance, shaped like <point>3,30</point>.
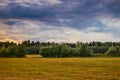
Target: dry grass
<point>59,68</point>
<point>33,56</point>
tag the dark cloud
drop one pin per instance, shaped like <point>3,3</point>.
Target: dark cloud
<point>78,10</point>
<point>84,15</point>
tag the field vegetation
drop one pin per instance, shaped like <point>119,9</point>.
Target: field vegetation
<point>59,68</point>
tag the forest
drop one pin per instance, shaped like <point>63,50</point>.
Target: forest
<point>52,49</point>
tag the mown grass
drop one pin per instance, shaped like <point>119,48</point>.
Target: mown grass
<point>59,68</point>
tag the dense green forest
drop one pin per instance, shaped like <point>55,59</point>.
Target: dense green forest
<point>51,49</point>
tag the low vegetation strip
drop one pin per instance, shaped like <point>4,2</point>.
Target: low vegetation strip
<point>61,50</point>
<point>33,56</point>
<point>59,69</point>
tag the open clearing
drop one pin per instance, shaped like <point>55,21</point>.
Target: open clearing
<point>59,68</point>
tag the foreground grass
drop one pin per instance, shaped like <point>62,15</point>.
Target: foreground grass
<point>59,68</point>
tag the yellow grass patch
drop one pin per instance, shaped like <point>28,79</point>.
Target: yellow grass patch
<point>59,68</point>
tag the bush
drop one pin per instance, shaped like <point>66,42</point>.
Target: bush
<point>83,51</point>
<point>13,51</point>
<point>33,49</point>
<point>3,52</point>
<point>65,51</point>
<point>49,51</point>
<point>56,51</point>
<point>20,51</point>
<point>112,51</point>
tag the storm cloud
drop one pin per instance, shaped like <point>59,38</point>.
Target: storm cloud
<point>60,20</point>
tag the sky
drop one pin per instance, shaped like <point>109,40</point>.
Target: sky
<point>60,20</point>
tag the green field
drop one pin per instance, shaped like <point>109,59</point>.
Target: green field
<point>59,68</point>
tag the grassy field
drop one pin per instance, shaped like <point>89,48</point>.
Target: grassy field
<point>59,68</point>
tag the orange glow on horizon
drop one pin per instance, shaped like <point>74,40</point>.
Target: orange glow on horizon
<point>11,40</point>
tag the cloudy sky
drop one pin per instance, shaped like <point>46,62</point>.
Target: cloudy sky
<point>60,20</point>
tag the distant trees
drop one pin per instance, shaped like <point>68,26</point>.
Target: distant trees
<point>32,49</point>
<point>84,51</point>
<point>49,51</point>
<point>3,52</point>
<point>98,49</point>
<point>20,51</point>
<point>64,50</point>
<point>112,51</point>
<point>13,51</point>
<point>52,49</point>
<point>56,51</point>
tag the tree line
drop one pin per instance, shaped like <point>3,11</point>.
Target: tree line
<point>52,49</point>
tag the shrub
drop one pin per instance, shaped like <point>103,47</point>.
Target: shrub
<point>12,51</point>
<point>65,51</point>
<point>20,51</point>
<point>3,52</point>
<point>112,51</point>
<point>83,51</point>
<point>49,51</point>
<point>55,51</point>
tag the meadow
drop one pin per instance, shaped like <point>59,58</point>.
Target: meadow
<point>59,68</point>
